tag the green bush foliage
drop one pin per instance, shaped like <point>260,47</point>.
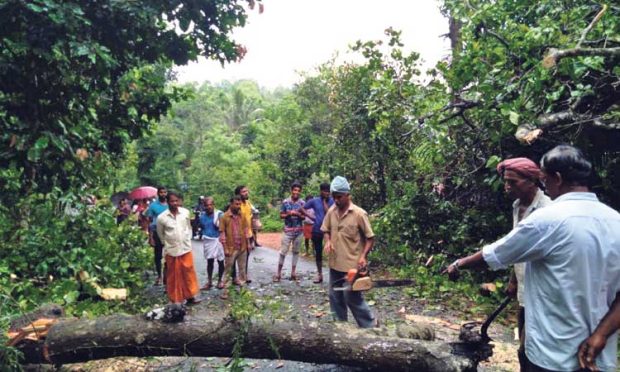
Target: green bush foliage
<point>49,241</point>
<point>56,237</point>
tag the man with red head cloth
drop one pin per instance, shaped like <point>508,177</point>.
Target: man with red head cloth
<point>521,182</point>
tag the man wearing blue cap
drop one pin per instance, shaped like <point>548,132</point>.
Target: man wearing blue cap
<point>349,239</point>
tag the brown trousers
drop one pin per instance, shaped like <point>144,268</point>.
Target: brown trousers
<point>239,257</point>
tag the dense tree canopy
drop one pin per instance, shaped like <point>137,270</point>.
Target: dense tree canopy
<point>81,79</point>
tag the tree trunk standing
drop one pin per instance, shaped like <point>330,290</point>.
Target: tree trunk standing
<point>122,335</point>
<point>455,36</point>
<point>382,151</point>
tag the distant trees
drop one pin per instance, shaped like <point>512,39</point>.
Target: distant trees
<point>79,80</point>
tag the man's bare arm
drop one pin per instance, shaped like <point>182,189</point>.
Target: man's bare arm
<point>593,345</point>
<point>363,260</point>
<point>328,243</point>
<point>474,261</point>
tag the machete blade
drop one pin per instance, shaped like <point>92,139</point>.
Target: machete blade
<point>365,283</point>
<point>391,282</point>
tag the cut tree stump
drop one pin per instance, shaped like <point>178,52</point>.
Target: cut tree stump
<point>79,340</point>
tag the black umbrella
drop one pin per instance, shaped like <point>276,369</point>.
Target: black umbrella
<point>117,197</point>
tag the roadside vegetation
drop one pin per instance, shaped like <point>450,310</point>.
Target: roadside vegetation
<point>85,112</point>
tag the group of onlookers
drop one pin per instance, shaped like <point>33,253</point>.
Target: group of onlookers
<point>229,236</point>
<point>125,211</point>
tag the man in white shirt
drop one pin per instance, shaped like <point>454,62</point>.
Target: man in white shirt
<point>175,231</point>
<point>572,274</point>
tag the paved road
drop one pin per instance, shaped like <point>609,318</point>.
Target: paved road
<point>262,267</point>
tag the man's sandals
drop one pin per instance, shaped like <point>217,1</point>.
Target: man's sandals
<point>277,278</point>
<point>318,280</point>
<point>193,301</point>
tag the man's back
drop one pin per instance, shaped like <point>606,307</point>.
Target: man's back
<point>572,276</point>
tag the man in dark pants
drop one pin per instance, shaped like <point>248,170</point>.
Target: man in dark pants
<point>349,236</point>
<point>154,210</point>
<point>521,182</point>
<point>320,205</point>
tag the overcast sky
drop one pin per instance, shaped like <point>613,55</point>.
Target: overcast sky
<point>294,35</point>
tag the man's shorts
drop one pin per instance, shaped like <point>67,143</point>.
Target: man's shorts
<point>288,239</point>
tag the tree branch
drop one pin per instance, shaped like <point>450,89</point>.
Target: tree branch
<point>591,25</point>
<point>555,55</point>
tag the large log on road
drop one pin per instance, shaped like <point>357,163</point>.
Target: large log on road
<point>81,340</point>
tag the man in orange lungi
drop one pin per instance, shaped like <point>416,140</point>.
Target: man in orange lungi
<point>175,231</point>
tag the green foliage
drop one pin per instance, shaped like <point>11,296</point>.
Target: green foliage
<point>271,220</point>
<point>9,356</point>
<point>437,290</point>
<point>50,241</point>
<point>206,145</point>
<point>58,237</point>
<point>81,78</point>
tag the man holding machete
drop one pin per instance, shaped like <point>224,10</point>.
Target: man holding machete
<point>349,239</point>
<point>572,275</point>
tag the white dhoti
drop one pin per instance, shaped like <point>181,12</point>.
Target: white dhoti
<point>212,248</point>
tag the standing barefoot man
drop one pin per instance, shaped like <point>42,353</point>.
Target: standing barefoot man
<point>293,215</point>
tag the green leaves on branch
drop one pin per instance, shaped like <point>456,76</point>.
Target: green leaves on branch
<point>82,78</point>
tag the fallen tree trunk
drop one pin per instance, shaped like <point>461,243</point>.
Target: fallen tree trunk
<point>80,340</point>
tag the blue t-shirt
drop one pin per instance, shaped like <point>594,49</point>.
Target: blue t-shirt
<point>154,210</point>
<point>210,224</point>
<point>292,223</point>
<point>316,204</point>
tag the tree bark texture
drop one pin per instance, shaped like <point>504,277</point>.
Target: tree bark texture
<point>81,340</point>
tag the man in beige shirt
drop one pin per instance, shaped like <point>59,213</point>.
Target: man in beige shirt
<point>175,231</point>
<point>349,239</point>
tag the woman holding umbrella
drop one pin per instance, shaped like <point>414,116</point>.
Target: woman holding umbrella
<point>154,210</point>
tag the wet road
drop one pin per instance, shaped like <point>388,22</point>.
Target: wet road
<point>262,267</point>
